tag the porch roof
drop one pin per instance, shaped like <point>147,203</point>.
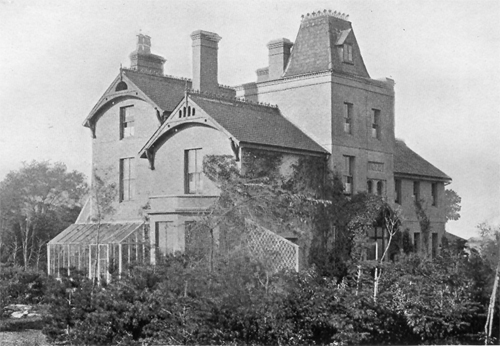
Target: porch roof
<point>86,233</point>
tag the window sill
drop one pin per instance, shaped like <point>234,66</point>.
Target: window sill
<point>348,62</point>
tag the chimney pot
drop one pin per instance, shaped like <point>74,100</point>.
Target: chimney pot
<point>142,60</point>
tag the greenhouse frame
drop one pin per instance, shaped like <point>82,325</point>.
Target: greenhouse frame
<point>98,250</point>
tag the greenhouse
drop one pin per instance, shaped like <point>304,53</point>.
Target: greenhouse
<point>98,250</point>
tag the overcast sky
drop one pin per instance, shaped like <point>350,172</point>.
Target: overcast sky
<point>58,57</point>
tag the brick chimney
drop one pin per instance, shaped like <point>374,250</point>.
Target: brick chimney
<point>142,60</point>
<point>205,46</point>
<point>279,53</point>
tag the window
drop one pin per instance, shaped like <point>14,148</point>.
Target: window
<point>348,174</point>
<point>167,238</point>
<point>434,192</point>
<point>416,190</point>
<point>347,53</point>
<point>434,242</point>
<point>397,184</point>
<point>127,179</point>
<point>380,188</point>
<point>376,123</point>
<point>369,186</point>
<point>126,122</point>
<point>347,117</point>
<point>193,171</point>
<point>416,242</point>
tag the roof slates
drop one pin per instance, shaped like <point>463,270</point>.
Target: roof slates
<point>406,161</point>
<point>257,124</point>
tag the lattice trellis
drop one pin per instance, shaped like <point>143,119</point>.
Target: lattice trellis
<point>276,251</point>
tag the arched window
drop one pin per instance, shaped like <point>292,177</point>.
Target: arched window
<point>380,188</point>
<point>121,86</point>
<point>369,186</point>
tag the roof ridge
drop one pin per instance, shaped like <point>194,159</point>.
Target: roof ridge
<point>220,96</point>
<point>170,76</point>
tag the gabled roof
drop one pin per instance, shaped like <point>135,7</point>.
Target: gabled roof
<point>408,162</point>
<point>316,47</point>
<point>87,233</point>
<point>247,123</point>
<point>164,92</point>
<point>258,124</point>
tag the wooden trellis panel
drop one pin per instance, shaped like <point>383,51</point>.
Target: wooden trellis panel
<point>276,251</point>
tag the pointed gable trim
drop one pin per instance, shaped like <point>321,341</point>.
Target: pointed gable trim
<point>177,122</point>
<point>111,96</point>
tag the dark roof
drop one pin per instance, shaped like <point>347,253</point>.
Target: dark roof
<point>408,162</point>
<point>86,233</point>
<point>254,123</point>
<point>165,91</point>
<point>315,47</point>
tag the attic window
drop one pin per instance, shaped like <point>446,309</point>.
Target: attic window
<point>121,86</point>
<point>348,53</point>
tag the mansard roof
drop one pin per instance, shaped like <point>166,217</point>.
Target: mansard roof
<point>409,163</point>
<point>318,46</point>
<point>245,122</point>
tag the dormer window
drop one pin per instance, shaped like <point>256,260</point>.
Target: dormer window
<point>347,53</point>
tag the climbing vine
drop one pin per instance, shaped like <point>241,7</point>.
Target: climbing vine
<point>425,225</point>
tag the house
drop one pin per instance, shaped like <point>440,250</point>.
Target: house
<point>316,99</point>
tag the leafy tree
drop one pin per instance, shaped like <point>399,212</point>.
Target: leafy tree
<point>452,204</point>
<point>490,251</point>
<point>37,202</point>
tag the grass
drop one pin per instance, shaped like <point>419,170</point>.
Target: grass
<point>23,338</point>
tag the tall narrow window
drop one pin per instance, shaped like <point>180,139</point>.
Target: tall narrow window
<point>348,174</point>
<point>376,123</point>
<point>193,171</point>
<point>369,186</point>
<point>416,190</point>
<point>347,52</point>
<point>434,244</point>
<point>434,192</point>
<point>347,117</point>
<point>380,188</point>
<point>127,179</point>
<point>126,122</point>
<point>397,184</point>
<point>416,242</point>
